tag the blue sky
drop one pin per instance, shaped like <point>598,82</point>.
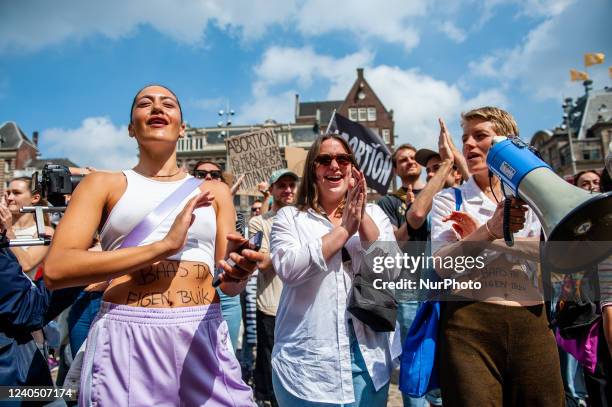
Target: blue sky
<point>70,68</point>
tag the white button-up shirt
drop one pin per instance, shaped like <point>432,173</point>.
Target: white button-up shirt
<point>311,355</point>
<point>481,208</point>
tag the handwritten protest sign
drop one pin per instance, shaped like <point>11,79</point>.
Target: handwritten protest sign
<point>295,157</point>
<point>256,155</point>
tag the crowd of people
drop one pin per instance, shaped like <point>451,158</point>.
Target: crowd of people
<point>135,261</point>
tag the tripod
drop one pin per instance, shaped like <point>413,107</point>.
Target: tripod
<point>42,239</point>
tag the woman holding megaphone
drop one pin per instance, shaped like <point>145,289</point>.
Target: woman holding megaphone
<point>498,333</point>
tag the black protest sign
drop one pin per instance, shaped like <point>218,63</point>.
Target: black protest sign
<point>371,153</point>
<point>256,155</point>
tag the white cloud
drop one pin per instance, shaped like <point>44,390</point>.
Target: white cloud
<point>97,143</point>
<point>487,97</point>
<point>282,65</point>
<point>297,68</point>
<point>388,20</point>
<point>453,32</point>
<point>485,66</point>
<point>545,7</point>
<point>540,65</point>
<point>263,106</point>
<point>32,25</point>
<point>416,98</point>
<point>417,101</point>
<point>208,104</point>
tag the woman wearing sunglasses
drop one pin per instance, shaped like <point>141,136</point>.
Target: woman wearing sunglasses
<point>210,171</point>
<point>321,353</point>
<point>159,338</point>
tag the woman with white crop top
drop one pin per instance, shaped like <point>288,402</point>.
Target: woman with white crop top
<point>159,337</point>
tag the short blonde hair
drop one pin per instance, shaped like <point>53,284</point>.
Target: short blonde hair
<point>503,122</point>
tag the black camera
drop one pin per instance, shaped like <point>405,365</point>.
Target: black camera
<point>54,183</point>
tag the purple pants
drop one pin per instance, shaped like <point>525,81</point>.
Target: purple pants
<point>161,357</point>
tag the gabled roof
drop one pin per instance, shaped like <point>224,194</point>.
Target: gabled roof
<point>11,137</point>
<point>597,107</point>
<point>362,84</point>
<point>326,107</point>
<point>39,163</point>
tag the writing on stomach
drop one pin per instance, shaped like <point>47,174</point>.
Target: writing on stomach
<point>165,284</point>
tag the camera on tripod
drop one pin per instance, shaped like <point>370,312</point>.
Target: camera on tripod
<point>54,183</point>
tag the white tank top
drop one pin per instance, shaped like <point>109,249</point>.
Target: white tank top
<point>27,232</point>
<point>143,195</point>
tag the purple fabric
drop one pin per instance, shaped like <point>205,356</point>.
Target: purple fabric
<point>161,357</point>
<point>584,349</point>
<point>157,216</point>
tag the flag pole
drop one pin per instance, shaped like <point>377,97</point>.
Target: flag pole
<point>331,119</point>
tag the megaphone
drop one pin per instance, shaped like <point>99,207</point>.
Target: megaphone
<point>581,221</point>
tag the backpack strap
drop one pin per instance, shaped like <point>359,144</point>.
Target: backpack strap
<point>458,198</point>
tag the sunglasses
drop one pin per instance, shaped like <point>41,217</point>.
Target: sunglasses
<point>326,159</point>
<point>201,174</point>
<point>255,209</point>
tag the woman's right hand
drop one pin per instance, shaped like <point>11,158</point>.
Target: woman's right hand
<point>355,204</point>
<point>517,218</point>
<point>176,237</point>
<point>6,217</point>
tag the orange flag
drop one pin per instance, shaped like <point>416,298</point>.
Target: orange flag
<point>594,58</point>
<point>578,75</point>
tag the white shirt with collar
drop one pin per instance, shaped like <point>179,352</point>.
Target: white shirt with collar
<point>311,354</point>
<point>481,208</point>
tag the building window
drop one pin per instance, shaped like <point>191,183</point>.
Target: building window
<point>363,114</point>
<point>592,154</point>
<point>353,114</point>
<point>179,146</point>
<point>564,155</point>
<point>371,114</point>
<point>282,139</point>
<point>386,136</point>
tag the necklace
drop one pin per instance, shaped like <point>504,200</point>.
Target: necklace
<point>159,176</point>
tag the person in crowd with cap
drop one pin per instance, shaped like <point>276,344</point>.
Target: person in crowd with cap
<point>322,353</point>
<point>441,173</point>
<point>256,208</point>
<point>394,205</point>
<point>442,170</point>
<point>283,187</point>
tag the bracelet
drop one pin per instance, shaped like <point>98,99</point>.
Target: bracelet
<point>489,231</point>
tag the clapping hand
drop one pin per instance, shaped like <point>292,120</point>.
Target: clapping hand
<point>444,144</point>
<point>354,209</point>
<point>463,223</point>
<point>6,217</point>
<point>176,237</point>
<point>457,157</point>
